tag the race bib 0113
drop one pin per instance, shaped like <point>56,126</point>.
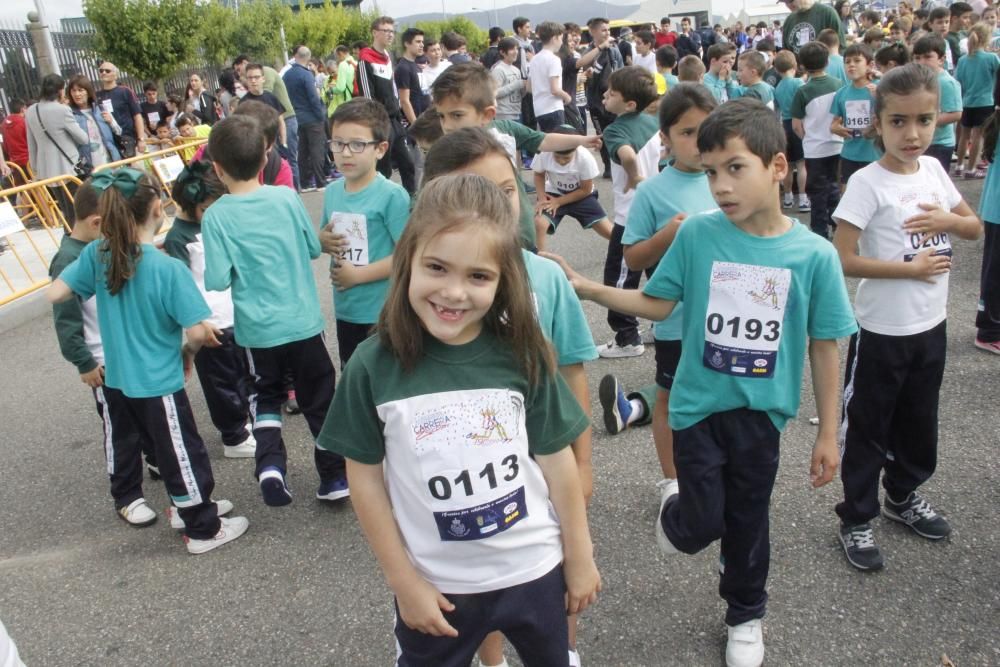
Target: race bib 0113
<point>743,323</point>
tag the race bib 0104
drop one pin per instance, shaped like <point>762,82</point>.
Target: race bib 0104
<point>354,226</point>
<point>743,323</point>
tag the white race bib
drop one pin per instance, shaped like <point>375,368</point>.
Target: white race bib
<point>354,226</point>
<point>857,116</point>
<point>469,462</point>
<point>939,244</point>
<point>154,118</point>
<point>743,324</point>
<point>566,182</point>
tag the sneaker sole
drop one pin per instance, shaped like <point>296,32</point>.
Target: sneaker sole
<point>616,353</point>
<point>233,453</point>
<point>856,565</point>
<point>662,541</point>
<point>607,393</point>
<point>987,347</point>
<point>205,546</point>
<point>892,516</point>
<point>136,524</point>
<point>335,495</point>
<point>275,493</point>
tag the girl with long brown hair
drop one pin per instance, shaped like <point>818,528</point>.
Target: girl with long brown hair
<point>455,430</point>
<point>146,302</point>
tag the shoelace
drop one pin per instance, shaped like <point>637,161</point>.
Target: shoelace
<point>863,539</point>
<point>924,509</point>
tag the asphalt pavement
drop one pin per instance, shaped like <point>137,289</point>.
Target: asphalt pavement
<point>80,587</point>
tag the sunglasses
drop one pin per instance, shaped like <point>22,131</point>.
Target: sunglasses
<point>106,71</point>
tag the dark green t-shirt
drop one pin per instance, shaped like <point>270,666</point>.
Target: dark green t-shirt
<point>805,25</point>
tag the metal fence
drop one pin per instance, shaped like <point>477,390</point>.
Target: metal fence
<point>19,77</point>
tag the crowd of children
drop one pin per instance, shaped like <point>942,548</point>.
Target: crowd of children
<point>458,426</point>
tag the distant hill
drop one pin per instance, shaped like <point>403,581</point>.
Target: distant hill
<point>577,11</point>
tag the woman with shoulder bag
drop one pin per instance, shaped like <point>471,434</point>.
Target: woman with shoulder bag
<point>54,138</point>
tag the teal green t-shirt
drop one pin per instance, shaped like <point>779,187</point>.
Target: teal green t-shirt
<point>977,73</point>
<point>142,325</point>
<point>722,90</point>
<point>751,303</point>
<point>559,311</point>
<point>854,106</point>
<point>671,80</point>
<point>657,200</point>
<point>989,202</point>
<point>950,101</point>
<point>373,220</point>
<point>785,93</point>
<point>759,91</point>
<point>261,244</point>
<point>835,68</point>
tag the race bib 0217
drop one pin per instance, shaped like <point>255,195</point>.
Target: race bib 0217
<point>354,226</point>
<point>743,323</point>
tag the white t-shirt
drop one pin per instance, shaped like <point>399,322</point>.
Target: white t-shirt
<point>566,178</point>
<point>878,201</point>
<point>648,61</point>
<point>428,75</point>
<point>541,69</point>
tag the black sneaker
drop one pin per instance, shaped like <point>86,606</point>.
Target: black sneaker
<point>916,513</point>
<point>860,548</point>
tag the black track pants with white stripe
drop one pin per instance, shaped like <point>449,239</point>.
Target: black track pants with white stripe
<point>890,417</point>
<point>167,422</point>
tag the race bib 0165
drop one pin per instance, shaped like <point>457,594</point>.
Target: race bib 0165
<point>743,323</point>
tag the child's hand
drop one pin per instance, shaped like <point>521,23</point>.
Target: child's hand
<point>420,606</point>
<point>94,378</point>
<point>344,275</point>
<point>547,205</point>
<point>933,220</point>
<point>213,336</point>
<point>592,142</point>
<point>333,243</point>
<point>676,221</point>
<point>927,266</point>
<point>825,461</point>
<point>583,583</point>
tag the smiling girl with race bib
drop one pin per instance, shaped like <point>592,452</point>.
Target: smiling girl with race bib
<point>893,232</point>
<point>456,430</point>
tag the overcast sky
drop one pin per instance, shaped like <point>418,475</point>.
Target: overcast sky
<point>16,11</point>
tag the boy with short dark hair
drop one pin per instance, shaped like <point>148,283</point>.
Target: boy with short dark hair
<point>633,142</point>
<point>691,70</point>
<point>259,240</point>
<point>835,65</point>
<point>939,21</point>
<point>811,120</point>
<point>721,58</point>
<point>758,290</point>
<point>666,60</point>
<point>545,70</point>
<point>751,68</point>
<point>363,217</point>
<point>931,51</point>
<point>784,94</point>
<point>644,55</point>
<point>959,22</point>
<point>464,97</point>
<point>852,112</point>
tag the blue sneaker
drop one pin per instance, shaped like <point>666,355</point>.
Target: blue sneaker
<point>272,486</point>
<point>333,489</point>
<point>617,408</point>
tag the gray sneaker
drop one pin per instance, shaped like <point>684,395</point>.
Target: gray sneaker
<point>917,513</point>
<point>860,548</point>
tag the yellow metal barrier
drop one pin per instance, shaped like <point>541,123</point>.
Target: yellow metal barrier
<point>31,227</point>
<point>32,223</point>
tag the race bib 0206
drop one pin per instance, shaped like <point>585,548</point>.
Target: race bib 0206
<point>939,244</point>
<point>743,323</point>
<point>354,226</point>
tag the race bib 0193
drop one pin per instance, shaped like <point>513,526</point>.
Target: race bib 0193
<point>354,226</point>
<point>743,323</point>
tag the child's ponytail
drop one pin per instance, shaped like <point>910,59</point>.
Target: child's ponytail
<point>196,184</point>
<point>979,37</point>
<point>126,198</point>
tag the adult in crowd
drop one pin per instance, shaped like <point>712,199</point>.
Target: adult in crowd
<point>199,101</point>
<point>301,85</point>
<point>665,36</point>
<point>375,81</point>
<point>455,48</point>
<point>492,54</point>
<point>153,109</point>
<point>274,84</point>
<point>15,137</point>
<point>525,52</point>
<point>253,75</point>
<point>413,101</point>
<point>807,19</point>
<point>227,90</point>
<point>121,102</point>
<point>568,55</point>
<point>848,23</point>
<point>545,79</point>
<point>688,41</point>
<point>54,138</point>
<point>706,33</point>
<point>625,45</point>
<point>100,147</point>
<point>435,63</point>
<point>603,58</point>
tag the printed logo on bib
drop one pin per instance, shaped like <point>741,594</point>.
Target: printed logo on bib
<point>746,310</point>
<point>354,226</point>
<point>470,459</point>
<point>804,33</point>
<point>913,244</point>
<point>857,116</point>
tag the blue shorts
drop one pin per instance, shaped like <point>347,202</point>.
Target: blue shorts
<point>531,615</point>
<point>588,211</point>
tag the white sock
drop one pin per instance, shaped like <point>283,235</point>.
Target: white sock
<point>638,410</point>
<point>502,664</point>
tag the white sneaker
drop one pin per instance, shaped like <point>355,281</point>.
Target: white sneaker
<point>229,530</point>
<point>804,204</point>
<point>746,645</point>
<point>788,201</point>
<point>668,489</point>
<point>574,659</point>
<point>245,450</point>
<point>613,350</point>
<point>224,507</point>
<point>138,513</point>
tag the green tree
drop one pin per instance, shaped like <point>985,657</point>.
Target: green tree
<point>477,39</point>
<point>254,29</point>
<point>150,39</point>
<point>323,28</point>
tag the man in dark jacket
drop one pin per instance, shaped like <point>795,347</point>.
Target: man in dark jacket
<point>301,85</point>
<point>707,35</point>
<point>375,81</point>
<point>688,41</point>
